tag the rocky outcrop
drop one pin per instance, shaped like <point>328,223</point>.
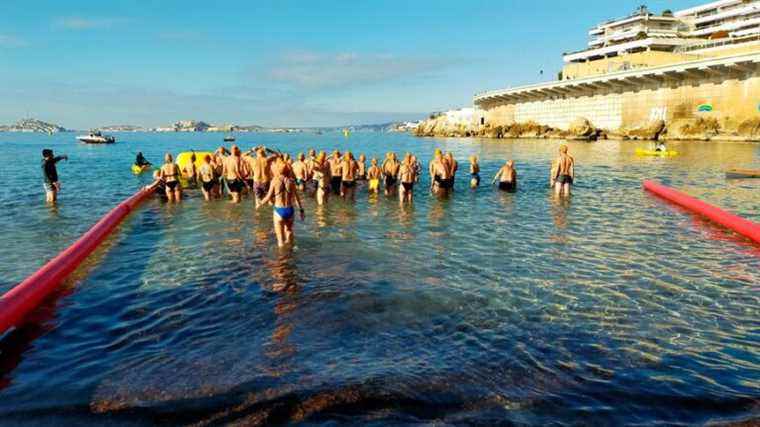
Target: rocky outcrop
<point>649,132</point>
<point>698,129</point>
<point>750,129</point>
<point>440,126</point>
<point>33,125</point>
<point>581,128</point>
<point>685,129</point>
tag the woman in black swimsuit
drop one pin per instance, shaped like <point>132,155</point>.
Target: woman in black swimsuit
<point>169,174</point>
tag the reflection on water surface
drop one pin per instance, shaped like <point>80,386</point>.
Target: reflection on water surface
<point>483,307</point>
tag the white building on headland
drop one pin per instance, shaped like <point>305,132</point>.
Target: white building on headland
<point>462,116</point>
<point>719,23</point>
<point>697,63</point>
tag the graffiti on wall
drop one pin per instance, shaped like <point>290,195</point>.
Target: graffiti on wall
<point>658,113</point>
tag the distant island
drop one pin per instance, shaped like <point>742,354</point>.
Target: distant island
<point>201,126</point>
<point>121,128</point>
<point>33,125</point>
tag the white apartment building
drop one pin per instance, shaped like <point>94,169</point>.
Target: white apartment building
<point>717,22</point>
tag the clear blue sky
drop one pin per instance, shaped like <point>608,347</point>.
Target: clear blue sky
<point>87,63</point>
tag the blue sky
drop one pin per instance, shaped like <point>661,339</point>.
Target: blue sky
<point>87,63</point>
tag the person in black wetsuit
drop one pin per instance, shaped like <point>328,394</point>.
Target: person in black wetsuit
<point>50,175</point>
<point>141,161</point>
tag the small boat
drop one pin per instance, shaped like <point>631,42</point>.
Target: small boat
<point>137,170</point>
<point>229,138</point>
<point>96,137</point>
<point>346,133</point>
<point>667,153</point>
<point>742,173</point>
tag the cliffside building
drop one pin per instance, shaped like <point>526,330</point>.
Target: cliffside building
<point>696,62</point>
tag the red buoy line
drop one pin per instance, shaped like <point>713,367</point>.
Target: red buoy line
<point>736,223</point>
<point>22,299</point>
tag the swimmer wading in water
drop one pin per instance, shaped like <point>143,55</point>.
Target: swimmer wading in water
<point>284,194</point>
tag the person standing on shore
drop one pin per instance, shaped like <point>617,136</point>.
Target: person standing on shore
<point>407,176</point>
<point>564,174</point>
<point>507,177</point>
<point>283,194</point>
<point>50,175</point>
<point>169,174</point>
<point>391,167</point>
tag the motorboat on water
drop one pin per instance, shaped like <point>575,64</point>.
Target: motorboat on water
<point>229,138</point>
<point>96,137</point>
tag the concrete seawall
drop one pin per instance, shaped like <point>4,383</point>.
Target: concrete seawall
<point>704,100</point>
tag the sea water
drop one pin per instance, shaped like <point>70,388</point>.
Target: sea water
<point>612,307</point>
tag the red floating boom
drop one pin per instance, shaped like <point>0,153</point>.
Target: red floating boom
<point>27,295</point>
<point>738,224</point>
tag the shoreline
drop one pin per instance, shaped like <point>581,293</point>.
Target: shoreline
<point>581,129</point>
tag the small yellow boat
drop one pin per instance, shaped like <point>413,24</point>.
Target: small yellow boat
<point>183,159</point>
<point>137,170</point>
<point>667,153</point>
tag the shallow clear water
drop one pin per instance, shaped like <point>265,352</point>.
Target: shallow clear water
<point>612,308</point>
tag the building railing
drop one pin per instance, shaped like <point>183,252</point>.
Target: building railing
<point>658,70</point>
<point>715,43</point>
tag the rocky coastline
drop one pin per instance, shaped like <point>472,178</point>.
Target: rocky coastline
<point>33,125</point>
<point>688,129</point>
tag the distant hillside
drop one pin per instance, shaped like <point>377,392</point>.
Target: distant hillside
<point>33,125</point>
<point>251,128</point>
<point>201,126</point>
<point>381,127</point>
